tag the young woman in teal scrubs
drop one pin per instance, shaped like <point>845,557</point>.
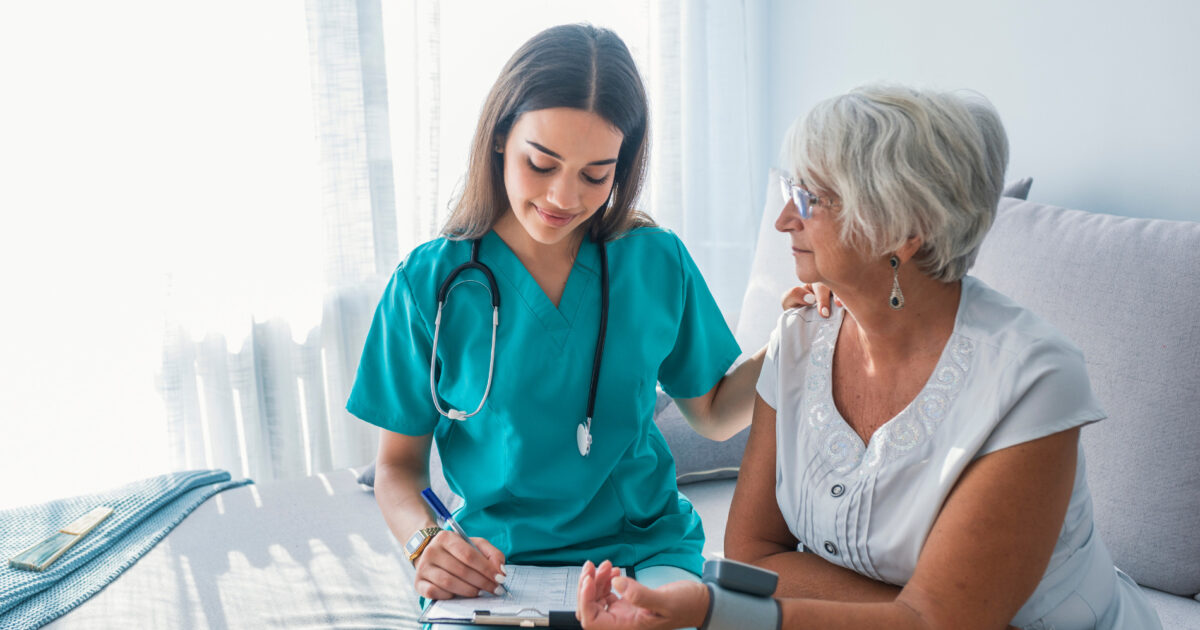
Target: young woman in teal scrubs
<point>556,166</point>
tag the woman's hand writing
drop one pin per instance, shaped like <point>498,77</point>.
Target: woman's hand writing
<point>450,567</point>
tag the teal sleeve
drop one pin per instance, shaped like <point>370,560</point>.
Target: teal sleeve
<point>704,347</point>
<point>391,389</point>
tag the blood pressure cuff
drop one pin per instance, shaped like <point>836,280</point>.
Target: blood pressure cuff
<point>731,610</point>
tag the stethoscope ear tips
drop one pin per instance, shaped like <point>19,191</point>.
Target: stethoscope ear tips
<point>456,414</point>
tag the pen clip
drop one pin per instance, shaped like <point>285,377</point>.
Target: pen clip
<point>525,618</point>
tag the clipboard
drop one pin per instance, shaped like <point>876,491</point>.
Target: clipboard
<point>554,619</point>
<point>538,597</point>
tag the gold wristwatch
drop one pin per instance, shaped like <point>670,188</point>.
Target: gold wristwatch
<point>419,542</point>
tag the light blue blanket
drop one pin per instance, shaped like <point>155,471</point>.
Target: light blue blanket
<point>143,512</point>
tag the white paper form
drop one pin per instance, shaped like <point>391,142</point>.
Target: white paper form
<point>532,591</point>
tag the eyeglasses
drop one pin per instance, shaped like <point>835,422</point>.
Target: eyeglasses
<point>803,199</point>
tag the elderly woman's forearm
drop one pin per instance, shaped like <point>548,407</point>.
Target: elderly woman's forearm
<point>802,614</point>
<point>810,576</point>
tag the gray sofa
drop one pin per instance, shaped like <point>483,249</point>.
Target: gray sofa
<point>1127,291</point>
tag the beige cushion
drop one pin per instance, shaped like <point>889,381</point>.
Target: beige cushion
<point>1127,291</point>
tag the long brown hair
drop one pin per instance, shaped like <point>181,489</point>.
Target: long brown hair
<point>574,65</point>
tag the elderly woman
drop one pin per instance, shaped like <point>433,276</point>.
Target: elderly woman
<point>914,459</point>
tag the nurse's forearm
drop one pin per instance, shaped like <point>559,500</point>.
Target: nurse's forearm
<point>727,408</point>
<point>398,494</point>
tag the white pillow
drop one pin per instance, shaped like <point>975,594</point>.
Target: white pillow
<point>771,273</point>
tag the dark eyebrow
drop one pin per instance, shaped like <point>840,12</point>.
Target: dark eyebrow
<point>559,157</point>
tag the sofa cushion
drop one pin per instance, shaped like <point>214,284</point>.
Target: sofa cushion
<point>1176,613</point>
<point>697,458</point>
<point>1127,291</point>
<point>711,500</point>
<point>1018,189</point>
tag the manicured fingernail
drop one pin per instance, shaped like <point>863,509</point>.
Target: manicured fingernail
<point>824,311</point>
<point>810,298</point>
<point>499,578</point>
<point>498,592</point>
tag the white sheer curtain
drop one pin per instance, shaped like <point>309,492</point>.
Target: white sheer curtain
<point>160,197</point>
<point>201,203</point>
<point>707,76</point>
<point>268,401</point>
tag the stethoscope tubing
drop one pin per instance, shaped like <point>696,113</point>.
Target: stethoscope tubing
<point>455,414</point>
<point>591,407</point>
<point>494,289</point>
<point>474,263</point>
<point>443,293</point>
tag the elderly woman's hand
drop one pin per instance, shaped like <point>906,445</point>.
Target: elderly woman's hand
<point>676,605</point>
<point>815,294</point>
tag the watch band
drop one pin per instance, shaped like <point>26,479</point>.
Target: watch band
<point>429,533</point>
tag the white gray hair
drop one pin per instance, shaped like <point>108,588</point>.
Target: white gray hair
<point>906,162</point>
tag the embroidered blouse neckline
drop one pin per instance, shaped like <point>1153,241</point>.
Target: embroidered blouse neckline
<point>839,444</point>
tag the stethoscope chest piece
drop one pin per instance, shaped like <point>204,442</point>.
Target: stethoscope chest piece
<point>583,437</point>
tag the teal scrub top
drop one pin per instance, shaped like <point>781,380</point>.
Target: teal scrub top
<point>516,464</point>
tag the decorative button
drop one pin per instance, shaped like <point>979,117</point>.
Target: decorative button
<point>831,548</point>
<point>837,490</point>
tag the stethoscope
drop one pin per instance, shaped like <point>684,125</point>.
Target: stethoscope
<point>583,433</point>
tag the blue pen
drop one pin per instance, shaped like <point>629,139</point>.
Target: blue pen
<point>434,502</point>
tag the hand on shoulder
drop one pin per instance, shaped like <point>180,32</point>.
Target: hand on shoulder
<point>816,294</point>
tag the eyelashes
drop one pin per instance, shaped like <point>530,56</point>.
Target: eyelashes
<point>595,181</point>
<point>544,171</point>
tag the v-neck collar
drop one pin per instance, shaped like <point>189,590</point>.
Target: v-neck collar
<point>919,418</point>
<point>584,277</point>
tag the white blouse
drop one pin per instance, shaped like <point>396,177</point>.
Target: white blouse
<point>1005,377</point>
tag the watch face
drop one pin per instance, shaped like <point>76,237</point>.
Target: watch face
<point>414,543</point>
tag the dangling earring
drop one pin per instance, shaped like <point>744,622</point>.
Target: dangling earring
<point>896,300</point>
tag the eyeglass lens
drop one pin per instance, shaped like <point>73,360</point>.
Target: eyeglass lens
<point>796,194</point>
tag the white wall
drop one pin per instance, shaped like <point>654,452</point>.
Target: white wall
<point>1100,98</point>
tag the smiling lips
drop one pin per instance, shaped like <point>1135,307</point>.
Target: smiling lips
<point>555,220</point>
<point>797,250</point>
